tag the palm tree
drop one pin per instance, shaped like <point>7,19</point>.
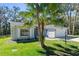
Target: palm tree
<point>39,13</point>
<point>35,11</point>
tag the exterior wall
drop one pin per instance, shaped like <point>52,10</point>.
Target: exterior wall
<point>14,29</point>
<point>50,32</point>
<point>60,32</point>
<point>13,32</point>
<point>32,33</point>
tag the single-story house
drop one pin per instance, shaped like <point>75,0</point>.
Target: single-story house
<point>50,31</point>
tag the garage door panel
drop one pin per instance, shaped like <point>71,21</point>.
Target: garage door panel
<point>51,34</point>
<point>60,33</point>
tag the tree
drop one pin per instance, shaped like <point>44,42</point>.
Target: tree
<point>36,11</point>
<point>71,17</point>
<point>3,19</point>
<point>40,13</point>
<point>7,15</point>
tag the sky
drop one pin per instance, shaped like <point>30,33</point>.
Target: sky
<point>22,6</point>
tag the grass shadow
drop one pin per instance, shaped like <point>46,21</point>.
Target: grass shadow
<point>74,47</point>
<point>69,50</point>
<point>48,51</point>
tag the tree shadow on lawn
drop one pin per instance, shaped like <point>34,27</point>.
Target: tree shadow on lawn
<point>48,51</point>
<point>70,50</point>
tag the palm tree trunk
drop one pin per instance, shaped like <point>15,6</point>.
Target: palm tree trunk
<point>39,27</point>
<point>42,34</point>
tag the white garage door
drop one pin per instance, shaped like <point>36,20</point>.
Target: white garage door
<point>60,33</point>
<point>51,34</point>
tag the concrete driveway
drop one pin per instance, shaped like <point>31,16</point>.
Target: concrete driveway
<point>68,38</point>
<point>72,38</point>
<point>75,39</point>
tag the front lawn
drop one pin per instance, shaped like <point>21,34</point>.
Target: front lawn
<point>54,47</point>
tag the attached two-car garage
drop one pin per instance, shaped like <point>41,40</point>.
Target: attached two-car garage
<point>52,32</point>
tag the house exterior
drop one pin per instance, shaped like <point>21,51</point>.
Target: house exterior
<point>31,33</point>
<point>55,31</point>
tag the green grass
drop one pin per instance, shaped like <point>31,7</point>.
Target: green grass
<point>54,47</point>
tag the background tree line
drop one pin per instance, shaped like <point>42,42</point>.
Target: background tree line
<point>6,15</point>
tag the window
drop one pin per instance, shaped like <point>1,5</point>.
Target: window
<point>24,32</point>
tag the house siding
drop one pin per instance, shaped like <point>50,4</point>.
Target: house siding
<point>50,31</point>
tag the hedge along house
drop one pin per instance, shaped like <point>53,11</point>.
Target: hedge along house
<point>50,31</point>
